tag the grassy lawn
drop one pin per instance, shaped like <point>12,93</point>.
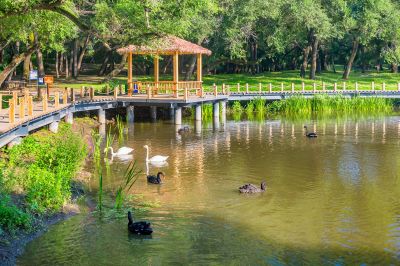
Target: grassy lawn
<point>275,78</point>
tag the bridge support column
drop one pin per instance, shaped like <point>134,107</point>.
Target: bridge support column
<point>16,141</point>
<point>197,127</point>
<point>223,112</point>
<point>69,118</point>
<point>178,115</point>
<point>130,114</point>
<point>197,112</point>
<point>153,113</point>
<point>216,115</point>
<point>171,111</point>
<point>53,127</point>
<point>102,116</point>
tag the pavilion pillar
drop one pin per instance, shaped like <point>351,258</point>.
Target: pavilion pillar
<point>199,73</point>
<point>176,73</point>
<point>156,72</point>
<point>130,84</point>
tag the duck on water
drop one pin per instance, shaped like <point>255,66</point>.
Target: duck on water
<point>310,134</point>
<point>250,188</point>
<point>139,228</point>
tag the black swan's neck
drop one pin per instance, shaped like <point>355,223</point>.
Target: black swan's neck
<point>130,218</point>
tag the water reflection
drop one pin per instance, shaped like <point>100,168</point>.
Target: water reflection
<point>330,200</point>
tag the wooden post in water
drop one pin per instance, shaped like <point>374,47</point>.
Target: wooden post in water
<point>292,87</point>
<point>303,87</point>
<point>22,108</point>
<point>238,87</point>
<point>11,111</point>
<point>247,88</point>
<point>373,86</point>
<point>270,87</point>
<point>57,99</point>
<point>72,95</point>
<point>259,87</point>
<point>314,87</point>
<point>30,106</point>
<point>383,86</point>
<point>335,87</point>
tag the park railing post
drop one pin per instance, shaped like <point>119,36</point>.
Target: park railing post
<point>270,88</point>
<point>344,86</point>
<point>215,90</point>
<point>11,111</point>
<point>314,87</point>
<point>116,92</point>
<point>356,86</point>
<point>247,88</point>
<point>292,87</point>
<point>21,108</point>
<point>383,86</point>
<point>335,87</point>
<point>65,97</point>
<point>15,98</point>
<point>149,91</point>
<point>223,88</point>
<point>282,89</point>
<point>30,106</point>
<point>72,95</point>
<point>323,86</point>
<point>57,99</point>
<point>82,91</point>
<point>372,86</point>
<point>228,90</point>
<point>303,87</point>
<point>238,87</point>
<point>91,93</point>
<point>259,87</point>
<point>44,102</point>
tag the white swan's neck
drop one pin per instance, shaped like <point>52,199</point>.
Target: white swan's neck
<point>147,154</point>
<point>112,151</point>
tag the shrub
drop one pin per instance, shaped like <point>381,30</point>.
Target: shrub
<point>11,217</point>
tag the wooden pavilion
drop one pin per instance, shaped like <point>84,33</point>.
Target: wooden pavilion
<point>167,45</point>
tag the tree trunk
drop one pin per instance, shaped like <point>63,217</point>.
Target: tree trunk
<point>61,63</point>
<point>117,69</point>
<point>333,65</point>
<point>314,54</point>
<point>27,61</point>
<point>83,51</point>
<point>39,58</point>
<point>353,54</point>
<point>395,68</point>
<point>103,67</point>
<point>191,67</point>
<point>16,60</point>
<point>57,65</point>
<point>66,66</point>
<point>166,65</point>
<point>71,62</point>
<point>75,57</point>
<point>303,67</point>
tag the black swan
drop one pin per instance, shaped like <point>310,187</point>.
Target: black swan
<point>155,179</point>
<point>250,188</point>
<point>311,134</point>
<point>183,130</point>
<point>139,228</point>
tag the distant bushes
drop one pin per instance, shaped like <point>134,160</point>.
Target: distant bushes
<point>40,169</point>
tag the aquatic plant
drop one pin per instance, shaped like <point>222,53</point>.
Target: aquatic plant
<point>131,175</point>
<point>120,128</point>
<point>250,107</point>
<point>207,111</point>
<point>96,142</point>
<point>100,193</point>
<point>237,107</point>
<point>109,140</point>
<point>260,105</point>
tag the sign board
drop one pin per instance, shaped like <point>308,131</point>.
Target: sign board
<point>48,79</point>
<point>41,81</point>
<point>33,75</point>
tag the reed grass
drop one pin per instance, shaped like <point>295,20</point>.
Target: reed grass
<point>207,111</point>
<point>131,175</point>
<point>260,105</point>
<point>109,140</point>
<point>237,108</point>
<point>250,108</point>
<point>120,128</point>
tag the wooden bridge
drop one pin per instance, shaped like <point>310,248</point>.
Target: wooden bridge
<point>26,112</point>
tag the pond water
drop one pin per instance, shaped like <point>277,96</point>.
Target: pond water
<point>330,200</point>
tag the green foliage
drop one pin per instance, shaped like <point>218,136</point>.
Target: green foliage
<point>207,111</point>
<point>260,105</point>
<point>250,107</point>
<point>43,166</point>
<point>131,175</point>
<point>11,217</point>
<point>237,107</point>
<point>120,128</point>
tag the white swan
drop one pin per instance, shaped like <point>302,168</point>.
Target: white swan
<point>121,151</point>
<point>154,159</point>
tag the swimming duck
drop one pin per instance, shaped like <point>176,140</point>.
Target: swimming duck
<point>139,228</point>
<point>155,179</point>
<point>311,134</point>
<point>250,188</point>
<point>183,130</point>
